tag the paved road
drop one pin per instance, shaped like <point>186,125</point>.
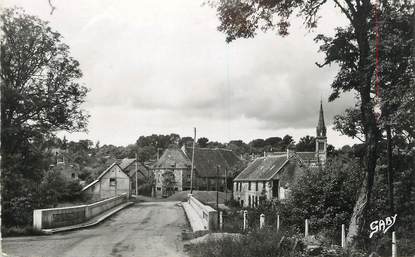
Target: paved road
<point>142,230</point>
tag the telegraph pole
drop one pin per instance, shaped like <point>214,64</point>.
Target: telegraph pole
<point>217,191</point>
<point>136,175</point>
<point>226,185</point>
<point>193,158</point>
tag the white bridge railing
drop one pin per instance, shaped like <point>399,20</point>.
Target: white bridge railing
<point>207,215</point>
<point>67,216</point>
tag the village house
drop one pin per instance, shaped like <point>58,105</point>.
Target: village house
<point>270,177</point>
<point>130,166</point>
<point>111,182</point>
<point>64,164</point>
<point>175,164</point>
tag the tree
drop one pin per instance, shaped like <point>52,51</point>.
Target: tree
<point>307,143</point>
<point>168,183</point>
<point>257,143</point>
<point>202,142</point>
<point>40,91</point>
<point>325,196</point>
<point>186,141</point>
<point>286,141</point>
<point>351,48</point>
<point>273,141</point>
<point>40,94</point>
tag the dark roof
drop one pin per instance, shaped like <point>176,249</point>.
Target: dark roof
<point>128,166</point>
<point>207,159</point>
<point>100,176</point>
<point>263,168</point>
<point>173,157</point>
<point>205,162</point>
<point>125,163</point>
<point>306,156</point>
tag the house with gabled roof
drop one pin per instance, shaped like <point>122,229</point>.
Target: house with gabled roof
<point>270,177</point>
<point>111,182</point>
<point>177,162</point>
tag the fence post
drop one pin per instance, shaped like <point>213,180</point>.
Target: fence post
<point>394,250</point>
<point>306,228</point>
<point>343,237</point>
<point>245,220</point>
<point>262,220</point>
<point>221,220</point>
<point>278,222</point>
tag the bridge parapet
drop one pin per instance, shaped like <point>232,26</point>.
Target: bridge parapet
<point>67,216</point>
<point>206,215</point>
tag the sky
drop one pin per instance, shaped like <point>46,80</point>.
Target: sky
<point>161,67</point>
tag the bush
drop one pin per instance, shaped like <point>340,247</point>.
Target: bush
<point>20,231</point>
<point>232,203</point>
<point>325,196</point>
<point>258,243</point>
<point>71,192</point>
<point>145,189</point>
<point>18,211</point>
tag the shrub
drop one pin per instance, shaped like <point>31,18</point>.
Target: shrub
<point>18,211</point>
<point>258,243</point>
<point>232,203</point>
<point>20,231</point>
<point>145,189</point>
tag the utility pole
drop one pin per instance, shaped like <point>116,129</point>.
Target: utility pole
<point>217,191</point>
<point>136,175</point>
<point>193,158</point>
<point>226,185</point>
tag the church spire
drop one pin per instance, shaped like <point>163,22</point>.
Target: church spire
<point>321,127</point>
<point>321,139</point>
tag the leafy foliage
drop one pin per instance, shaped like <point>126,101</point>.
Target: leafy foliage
<point>306,144</point>
<point>259,243</point>
<point>41,94</point>
<point>351,49</point>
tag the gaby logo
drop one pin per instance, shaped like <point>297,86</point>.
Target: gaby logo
<point>382,225</point>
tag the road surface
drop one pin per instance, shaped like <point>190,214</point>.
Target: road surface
<point>142,230</point>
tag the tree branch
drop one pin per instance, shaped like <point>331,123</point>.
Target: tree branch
<point>344,10</point>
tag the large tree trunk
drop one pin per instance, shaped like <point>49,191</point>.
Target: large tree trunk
<point>358,215</point>
<point>390,169</point>
<point>365,71</point>
<point>357,222</point>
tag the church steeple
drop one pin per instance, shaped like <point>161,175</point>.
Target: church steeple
<point>321,127</point>
<point>321,138</point>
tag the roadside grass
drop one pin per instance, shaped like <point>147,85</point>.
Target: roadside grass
<point>259,243</point>
<point>20,231</point>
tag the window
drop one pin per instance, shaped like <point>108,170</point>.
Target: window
<point>113,182</point>
<point>158,188</point>
<point>73,175</point>
<point>249,185</point>
<point>240,186</point>
<point>256,186</point>
<point>263,185</point>
<point>321,146</point>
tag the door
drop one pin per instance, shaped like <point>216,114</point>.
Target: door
<point>275,188</point>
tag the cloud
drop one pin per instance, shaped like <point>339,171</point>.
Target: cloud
<point>157,66</point>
